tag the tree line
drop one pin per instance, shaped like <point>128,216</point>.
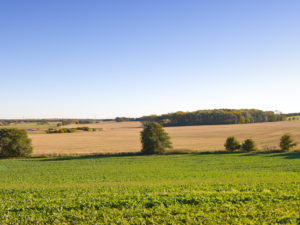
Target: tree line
<point>214,117</point>
<point>126,119</point>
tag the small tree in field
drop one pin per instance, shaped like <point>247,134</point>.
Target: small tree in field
<point>249,146</point>
<point>14,143</point>
<point>287,142</point>
<point>232,144</point>
<point>59,124</point>
<point>154,139</point>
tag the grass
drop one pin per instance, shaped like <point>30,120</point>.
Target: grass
<point>125,137</point>
<point>100,170</point>
<point>175,189</point>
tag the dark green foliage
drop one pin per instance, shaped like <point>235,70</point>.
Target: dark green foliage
<point>51,131</point>
<point>249,146</point>
<point>125,119</point>
<point>83,128</point>
<point>14,143</point>
<point>243,203</point>
<point>59,124</point>
<point>232,144</point>
<point>212,117</point>
<point>63,130</point>
<point>154,139</point>
<point>86,121</point>
<point>287,142</point>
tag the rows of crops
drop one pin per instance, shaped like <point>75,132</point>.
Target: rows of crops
<point>90,170</point>
<point>206,204</point>
<point>192,189</point>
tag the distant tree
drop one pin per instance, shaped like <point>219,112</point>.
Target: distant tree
<point>232,144</point>
<point>14,143</point>
<point>86,129</point>
<point>61,131</point>
<point>287,142</point>
<point>67,122</point>
<point>294,118</point>
<point>154,139</point>
<point>249,146</point>
<point>59,124</point>
<point>119,119</point>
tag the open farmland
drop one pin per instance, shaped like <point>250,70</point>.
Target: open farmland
<point>125,137</point>
<point>31,126</point>
<point>177,189</point>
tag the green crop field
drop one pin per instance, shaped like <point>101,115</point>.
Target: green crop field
<point>173,189</point>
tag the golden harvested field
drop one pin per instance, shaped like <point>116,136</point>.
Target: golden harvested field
<point>124,137</point>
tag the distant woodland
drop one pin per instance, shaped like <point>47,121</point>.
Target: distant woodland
<point>214,117</point>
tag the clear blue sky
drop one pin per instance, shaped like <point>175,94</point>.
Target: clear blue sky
<point>81,59</point>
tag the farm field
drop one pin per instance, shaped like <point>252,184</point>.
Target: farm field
<point>31,126</point>
<point>125,137</point>
<point>175,189</point>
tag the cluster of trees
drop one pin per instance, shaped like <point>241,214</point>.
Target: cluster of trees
<point>67,130</point>
<point>126,119</point>
<point>214,117</point>
<point>249,145</point>
<point>63,130</point>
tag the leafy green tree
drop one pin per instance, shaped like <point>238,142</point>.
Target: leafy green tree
<point>249,146</point>
<point>287,142</point>
<point>14,143</point>
<point>232,144</point>
<point>59,124</point>
<point>154,139</point>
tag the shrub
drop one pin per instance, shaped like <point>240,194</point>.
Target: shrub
<point>249,146</point>
<point>86,129</point>
<point>287,142</point>
<point>59,124</point>
<point>154,139</point>
<point>14,143</point>
<point>72,130</point>
<point>50,131</point>
<point>61,131</point>
<point>232,144</point>
<point>94,129</point>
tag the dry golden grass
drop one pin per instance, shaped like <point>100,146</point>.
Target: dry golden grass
<point>125,137</point>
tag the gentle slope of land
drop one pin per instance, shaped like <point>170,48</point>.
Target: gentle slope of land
<point>125,137</point>
<point>208,189</point>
